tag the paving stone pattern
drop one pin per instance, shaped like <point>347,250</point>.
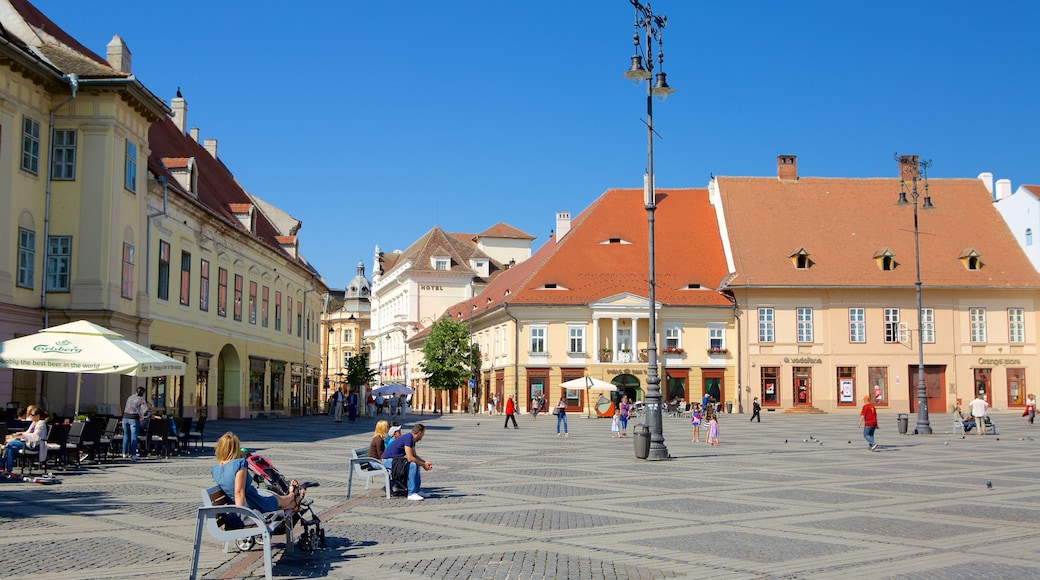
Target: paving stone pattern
<point>792,497</point>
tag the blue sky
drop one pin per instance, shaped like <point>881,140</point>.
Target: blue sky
<point>374,121</point>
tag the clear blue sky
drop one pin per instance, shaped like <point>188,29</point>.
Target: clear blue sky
<point>374,121</point>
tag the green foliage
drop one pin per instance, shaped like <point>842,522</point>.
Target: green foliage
<point>449,359</point>
<point>358,372</point>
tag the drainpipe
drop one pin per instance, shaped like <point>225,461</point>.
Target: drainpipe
<point>740,365</point>
<point>73,80</point>
<point>148,236</point>
<point>516,355</point>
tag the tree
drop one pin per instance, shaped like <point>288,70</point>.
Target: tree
<point>449,359</point>
<point>358,372</point>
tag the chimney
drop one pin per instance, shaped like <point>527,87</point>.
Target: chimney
<point>118,55</point>
<point>194,132</point>
<point>908,167</point>
<point>563,224</point>
<point>1003,189</point>
<point>787,167</point>
<point>180,111</point>
<point>987,180</point>
<point>211,146</point>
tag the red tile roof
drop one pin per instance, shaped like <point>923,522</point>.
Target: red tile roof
<point>501,230</point>
<point>844,222</point>
<point>459,248</point>
<point>586,266</point>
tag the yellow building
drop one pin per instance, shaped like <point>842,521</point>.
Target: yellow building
<point>579,307</point>
<point>824,273</point>
<point>96,221</point>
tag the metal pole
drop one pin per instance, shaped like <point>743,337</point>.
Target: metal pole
<point>923,426</point>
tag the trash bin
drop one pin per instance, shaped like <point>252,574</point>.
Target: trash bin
<point>729,407</point>
<point>902,420</point>
<point>642,440</point>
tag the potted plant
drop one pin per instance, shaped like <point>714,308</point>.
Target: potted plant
<point>673,350</point>
<point>717,350</point>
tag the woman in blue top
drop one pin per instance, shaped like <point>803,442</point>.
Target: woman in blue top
<point>232,475</point>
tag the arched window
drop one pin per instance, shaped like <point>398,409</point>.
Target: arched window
<point>1029,236</point>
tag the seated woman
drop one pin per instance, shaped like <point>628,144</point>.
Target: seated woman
<point>232,475</point>
<point>28,439</point>
<point>378,443</point>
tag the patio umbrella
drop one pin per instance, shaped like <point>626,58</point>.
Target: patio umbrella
<point>392,389</point>
<point>588,383</point>
<point>84,347</point>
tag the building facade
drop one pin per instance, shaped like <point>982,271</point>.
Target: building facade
<point>579,307</point>
<point>824,283</point>
<point>345,321</point>
<point>118,217</point>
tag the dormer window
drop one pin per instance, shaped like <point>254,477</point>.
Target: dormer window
<point>440,262</point>
<point>610,241</point>
<point>971,259</point>
<point>885,260</point>
<point>800,259</point>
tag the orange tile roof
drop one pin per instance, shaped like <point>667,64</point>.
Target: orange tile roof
<point>586,267</point>
<point>176,162</point>
<point>843,222</point>
<point>460,248</point>
<point>501,230</point>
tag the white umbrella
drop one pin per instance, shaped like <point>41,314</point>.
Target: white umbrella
<point>588,383</point>
<point>84,347</point>
<point>392,389</point>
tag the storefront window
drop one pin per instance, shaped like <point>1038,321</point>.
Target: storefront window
<point>770,386</point>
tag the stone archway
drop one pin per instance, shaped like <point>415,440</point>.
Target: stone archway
<point>229,383</point>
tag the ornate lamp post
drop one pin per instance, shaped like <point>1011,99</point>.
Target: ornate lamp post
<point>910,167</point>
<point>651,26</point>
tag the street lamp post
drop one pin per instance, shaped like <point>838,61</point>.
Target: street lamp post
<point>910,167</point>
<point>651,26</point>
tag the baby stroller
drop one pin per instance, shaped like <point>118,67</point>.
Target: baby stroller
<point>313,537</point>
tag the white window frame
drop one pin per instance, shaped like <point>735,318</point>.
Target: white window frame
<point>59,263</point>
<point>127,286</point>
<point>26,258</point>
<point>804,317</point>
<point>977,320</point>
<point>766,325</point>
<point>673,335</point>
<point>537,344</point>
<point>716,335</point>
<point>857,325</point>
<point>31,145</point>
<point>63,155</point>
<point>891,316</point>
<point>1016,325</point>
<point>575,339</point>
<point>928,325</point>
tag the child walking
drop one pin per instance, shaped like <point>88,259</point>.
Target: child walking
<point>713,429</point>
<point>695,421</point>
<point>615,427</point>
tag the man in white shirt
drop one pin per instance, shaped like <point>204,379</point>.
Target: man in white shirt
<point>978,407</point>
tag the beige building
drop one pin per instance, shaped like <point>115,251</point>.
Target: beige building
<point>824,282</point>
<point>579,307</point>
<point>116,216</point>
<point>346,317</point>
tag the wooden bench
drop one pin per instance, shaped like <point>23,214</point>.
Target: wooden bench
<point>367,467</point>
<point>215,504</point>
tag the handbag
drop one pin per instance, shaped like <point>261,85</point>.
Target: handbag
<point>556,411</point>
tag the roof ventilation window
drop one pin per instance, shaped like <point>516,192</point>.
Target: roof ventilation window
<point>971,259</point>
<point>800,258</point>
<point>693,286</point>
<point>550,286</point>
<point>885,260</point>
<point>620,241</point>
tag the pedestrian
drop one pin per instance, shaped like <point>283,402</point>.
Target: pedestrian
<point>403,449</point>
<point>1030,411</point>
<point>338,404</point>
<point>352,401</point>
<point>713,428</point>
<point>535,407</point>
<point>380,401</point>
<point>756,410</point>
<point>625,408</point>
<point>491,408</point>
<point>695,422</point>
<point>615,426</point>
<point>494,404</point>
<point>978,407</point>
<point>136,409</point>
<point>561,416</point>
<point>868,420</point>
<point>510,413</point>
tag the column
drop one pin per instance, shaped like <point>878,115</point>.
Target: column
<point>613,339</point>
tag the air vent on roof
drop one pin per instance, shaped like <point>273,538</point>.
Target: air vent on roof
<point>693,286</point>
<point>885,260</point>
<point>550,286</point>
<point>800,258</point>
<point>971,259</point>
